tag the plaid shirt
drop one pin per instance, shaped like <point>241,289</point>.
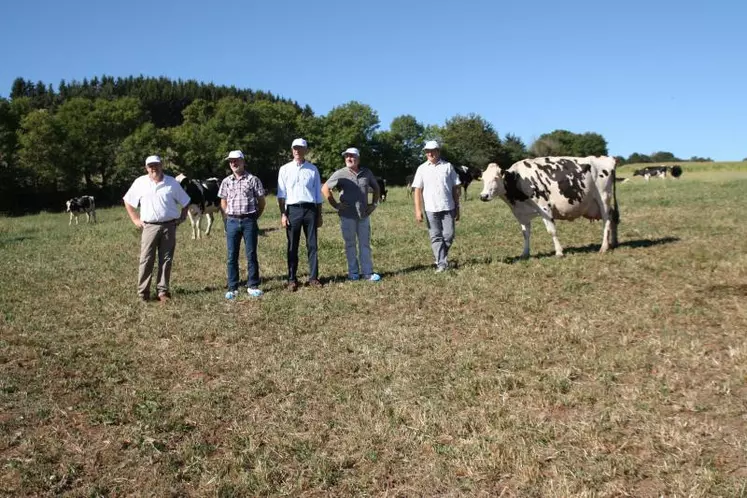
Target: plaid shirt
<point>241,193</point>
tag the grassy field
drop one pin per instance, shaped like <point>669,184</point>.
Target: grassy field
<point>592,375</point>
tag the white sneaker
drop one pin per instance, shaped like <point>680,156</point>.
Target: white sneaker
<point>254,292</point>
<point>232,294</point>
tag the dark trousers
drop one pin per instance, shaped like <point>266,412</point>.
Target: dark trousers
<point>236,229</point>
<point>302,216</point>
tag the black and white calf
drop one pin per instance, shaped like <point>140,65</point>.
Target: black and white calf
<point>204,200</point>
<point>382,188</point>
<point>557,188</point>
<point>79,205</point>
<point>659,171</point>
<point>466,175</point>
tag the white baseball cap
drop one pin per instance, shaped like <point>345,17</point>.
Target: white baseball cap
<point>299,142</point>
<point>152,160</point>
<point>431,144</point>
<point>235,154</point>
<point>353,151</point>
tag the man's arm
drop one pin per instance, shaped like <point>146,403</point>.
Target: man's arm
<point>418,196</point>
<point>260,205</point>
<point>134,215</point>
<point>327,194</point>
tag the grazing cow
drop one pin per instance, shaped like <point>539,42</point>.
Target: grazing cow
<point>408,184</point>
<point>79,205</point>
<point>660,171</point>
<point>466,175</point>
<point>382,188</point>
<point>203,200</point>
<point>557,188</point>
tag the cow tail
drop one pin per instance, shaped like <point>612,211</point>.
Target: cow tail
<point>615,211</point>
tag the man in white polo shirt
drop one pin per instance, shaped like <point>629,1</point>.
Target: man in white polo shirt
<point>300,202</point>
<point>163,205</point>
<point>436,191</point>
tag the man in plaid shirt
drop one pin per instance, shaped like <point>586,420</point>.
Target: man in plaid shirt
<point>242,199</point>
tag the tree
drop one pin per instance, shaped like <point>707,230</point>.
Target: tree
<point>349,125</point>
<point>470,141</point>
<point>635,158</point>
<point>40,142</point>
<point>566,143</point>
<point>663,157</point>
<point>513,150</point>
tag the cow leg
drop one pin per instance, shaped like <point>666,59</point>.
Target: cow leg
<point>71,219</point>
<point>193,220</point>
<point>209,217</point>
<point>550,226</point>
<point>88,217</point>
<point>526,231</point>
<point>93,215</point>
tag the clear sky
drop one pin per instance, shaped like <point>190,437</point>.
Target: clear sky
<point>648,75</point>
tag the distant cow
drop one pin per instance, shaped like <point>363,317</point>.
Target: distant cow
<point>466,175</point>
<point>659,171</point>
<point>557,188</point>
<point>408,184</point>
<point>79,205</point>
<point>203,201</point>
<point>382,188</point>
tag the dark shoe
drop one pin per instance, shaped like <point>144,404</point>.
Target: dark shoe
<point>315,283</point>
<point>144,298</point>
<point>165,297</point>
<point>292,286</point>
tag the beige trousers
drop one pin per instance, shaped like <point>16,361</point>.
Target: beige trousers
<point>160,239</point>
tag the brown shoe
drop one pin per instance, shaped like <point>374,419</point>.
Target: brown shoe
<point>315,283</point>
<point>165,297</point>
<point>292,286</point>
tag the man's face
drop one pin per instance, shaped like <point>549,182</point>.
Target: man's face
<point>352,161</point>
<point>237,165</point>
<point>432,155</point>
<point>299,153</point>
<point>155,171</point>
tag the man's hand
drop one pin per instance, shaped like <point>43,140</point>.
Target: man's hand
<point>319,220</point>
<point>284,220</point>
<point>456,213</point>
<point>138,223</point>
<point>419,215</point>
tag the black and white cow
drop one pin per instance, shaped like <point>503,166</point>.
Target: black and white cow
<point>382,188</point>
<point>466,175</point>
<point>79,205</point>
<point>204,200</point>
<point>659,171</point>
<point>557,188</point>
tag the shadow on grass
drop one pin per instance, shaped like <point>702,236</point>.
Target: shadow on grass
<point>10,240</point>
<point>590,248</point>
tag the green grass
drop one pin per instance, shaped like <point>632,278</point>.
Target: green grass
<point>590,375</point>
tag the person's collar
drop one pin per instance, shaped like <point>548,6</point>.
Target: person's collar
<point>299,163</point>
<point>242,175</point>
<point>438,161</point>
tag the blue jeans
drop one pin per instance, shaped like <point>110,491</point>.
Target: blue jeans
<point>236,228</point>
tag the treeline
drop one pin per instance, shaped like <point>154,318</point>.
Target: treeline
<point>91,137</point>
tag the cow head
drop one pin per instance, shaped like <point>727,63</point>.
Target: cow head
<point>183,180</point>
<point>492,183</point>
<point>68,204</point>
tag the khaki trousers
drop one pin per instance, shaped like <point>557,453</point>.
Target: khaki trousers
<point>161,239</point>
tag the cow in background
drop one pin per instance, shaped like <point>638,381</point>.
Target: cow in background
<point>467,174</point>
<point>79,205</point>
<point>382,188</point>
<point>408,184</point>
<point>204,200</point>
<point>557,188</point>
<point>659,171</point>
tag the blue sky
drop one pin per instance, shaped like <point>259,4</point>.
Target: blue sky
<point>648,75</point>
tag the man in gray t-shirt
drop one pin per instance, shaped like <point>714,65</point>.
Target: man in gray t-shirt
<point>353,183</point>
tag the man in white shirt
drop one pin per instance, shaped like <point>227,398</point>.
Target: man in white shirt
<point>436,190</point>
<point>300,202</point>
<point>163,205</point>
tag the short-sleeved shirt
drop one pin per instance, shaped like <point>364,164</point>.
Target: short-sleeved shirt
<point>353,188</point>
<point>299,183</point>
<point>438,182</point>
<point>158,201</point>
<point>241,194</point>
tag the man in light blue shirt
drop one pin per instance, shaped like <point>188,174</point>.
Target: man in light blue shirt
<point>300,202</point>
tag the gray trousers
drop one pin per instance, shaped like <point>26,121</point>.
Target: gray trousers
<point>161,240</point>
<point>441,231</point>
<point>357,236</point>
